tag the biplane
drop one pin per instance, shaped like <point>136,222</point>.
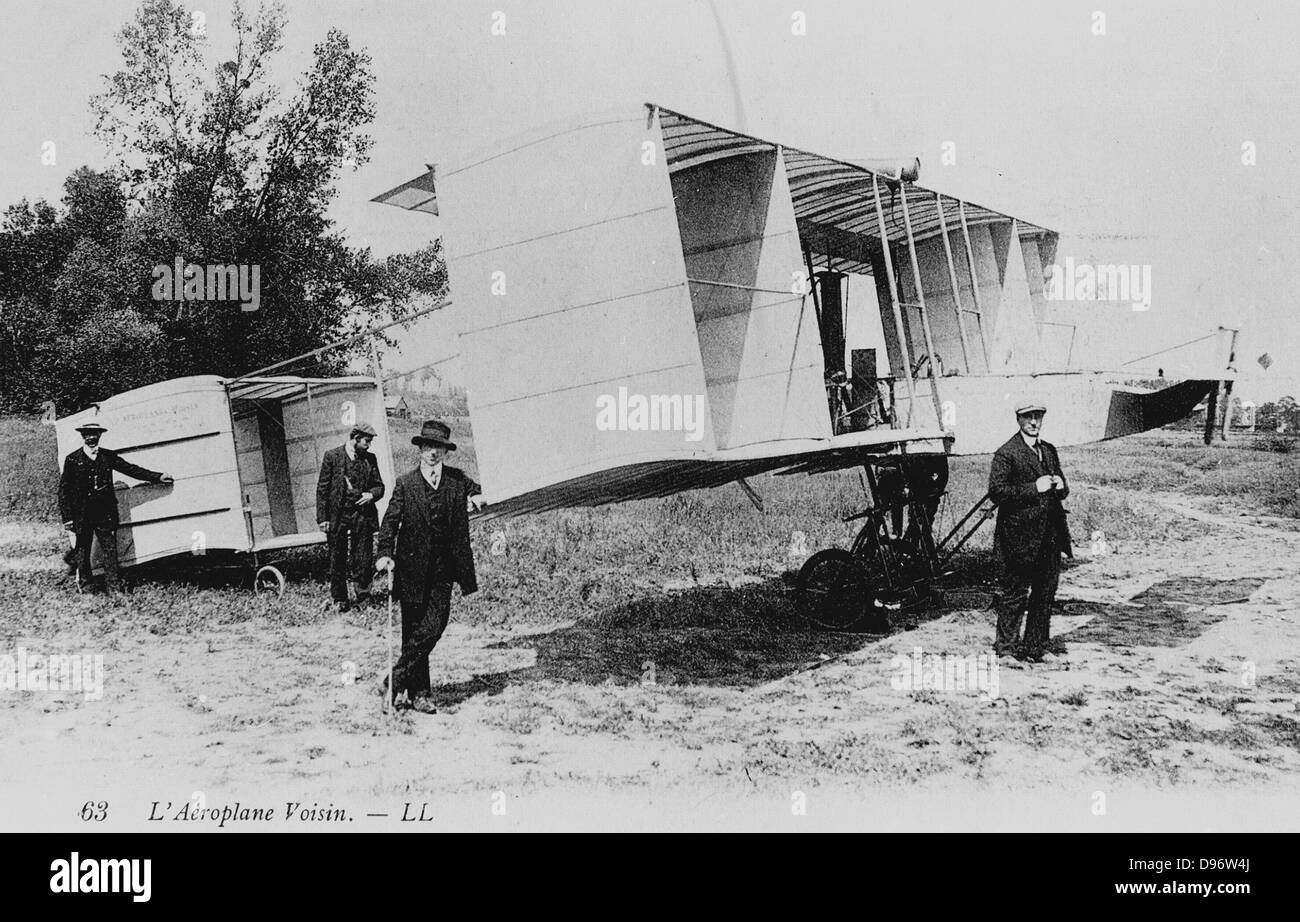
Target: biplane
<point>652,254</point>
<point>667,256</point>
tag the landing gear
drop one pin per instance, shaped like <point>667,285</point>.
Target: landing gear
<point>893,559</point>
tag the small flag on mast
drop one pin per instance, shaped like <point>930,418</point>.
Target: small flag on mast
<point>1265,360</point>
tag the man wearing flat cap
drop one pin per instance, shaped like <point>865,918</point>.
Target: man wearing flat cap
<point>88,503</point>
<point>425,542</point>
<point>1028,485</point>
<point>346,493</point>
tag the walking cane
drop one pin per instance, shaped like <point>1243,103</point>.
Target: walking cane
<point>388,697</point>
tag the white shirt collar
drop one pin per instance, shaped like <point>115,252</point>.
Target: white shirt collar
<point>90,454</point>
<point>1032,443</point>
<point>351,452</point>
<point>432,474</point>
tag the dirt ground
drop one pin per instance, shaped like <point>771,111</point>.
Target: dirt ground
<point>699,703</point>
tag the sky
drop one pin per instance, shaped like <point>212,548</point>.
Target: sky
<point>1127,133</point>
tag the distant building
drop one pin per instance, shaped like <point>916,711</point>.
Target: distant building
<point>395,407</point>
<point>1245,417</point>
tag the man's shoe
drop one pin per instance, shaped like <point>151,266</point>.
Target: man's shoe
<point>424,704</point>
<point>342,606</point>
<point>401,702</point>
<point>1056,646</point>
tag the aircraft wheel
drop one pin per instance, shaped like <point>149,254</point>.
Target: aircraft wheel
<point>832,590</point>
<point>269,579</point>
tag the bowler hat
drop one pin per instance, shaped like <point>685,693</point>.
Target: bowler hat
<point>91,429</point>
<point>434,432</point>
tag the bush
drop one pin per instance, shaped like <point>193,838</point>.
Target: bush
<point>1278,443</point>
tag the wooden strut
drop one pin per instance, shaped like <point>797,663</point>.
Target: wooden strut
<point>952,279</point>
<point>1211,411</point>
<point>905,353</point>
<point>812,286</point>
<point>311,426</point>
<point>753,495</point>
<point>920,298</point>
<point>1069,352</point>
<point>974,281</point>
<point>1227,387</point>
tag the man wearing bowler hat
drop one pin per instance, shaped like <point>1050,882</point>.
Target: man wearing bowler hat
<point>346,493</point>
<point>425,541</point>
<point>1028,485</point>
<point>88,503</point>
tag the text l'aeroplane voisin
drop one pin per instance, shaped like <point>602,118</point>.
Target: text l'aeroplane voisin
<point>655,255</point>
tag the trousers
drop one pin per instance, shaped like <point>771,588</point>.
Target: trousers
<point>352,556</point>
<point>106,534</point>
<point>1027,592</point>
<point>423,623</point>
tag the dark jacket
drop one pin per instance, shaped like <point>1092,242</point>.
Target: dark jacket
<point>333,496</point>
<point>87,486</point>
<point>1023,512</point>
<point>407,534</point>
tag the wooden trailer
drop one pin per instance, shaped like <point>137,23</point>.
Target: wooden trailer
<point>245,455</point>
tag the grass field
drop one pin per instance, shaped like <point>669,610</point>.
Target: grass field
<point>571,563</point>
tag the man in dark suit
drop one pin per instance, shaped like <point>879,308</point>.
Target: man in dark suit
<point>1028,485</point>
<point>346,493</point>
<point>88,503</point>
<point>425,541</point>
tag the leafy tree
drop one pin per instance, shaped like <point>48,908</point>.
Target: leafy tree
<point>211,164</point>
<point>1288,413</point>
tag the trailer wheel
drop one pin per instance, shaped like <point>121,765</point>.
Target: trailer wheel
<point>832,590</point>
<point>269,579</point>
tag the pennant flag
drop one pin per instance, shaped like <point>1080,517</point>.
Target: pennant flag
<point>1265,360</point>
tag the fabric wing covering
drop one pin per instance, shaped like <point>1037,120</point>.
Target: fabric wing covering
<point>632,321</point>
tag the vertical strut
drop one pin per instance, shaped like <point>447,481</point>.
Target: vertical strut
<point>893,301</point>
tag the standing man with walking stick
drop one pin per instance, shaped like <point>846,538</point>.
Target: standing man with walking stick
<point>424,539</point>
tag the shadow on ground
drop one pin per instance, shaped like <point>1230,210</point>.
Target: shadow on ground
<point>726,637</point>
<point>1170,613</point>
<point>719,637</point>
